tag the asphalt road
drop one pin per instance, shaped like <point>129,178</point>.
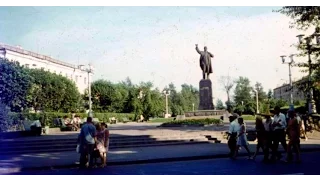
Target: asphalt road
<point>223,166</point>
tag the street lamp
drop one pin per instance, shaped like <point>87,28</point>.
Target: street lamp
<point>89,70</point>
<point>166,93</point>
<point>290,63</point>
<point>310,47</point>
<point>257,100</point>
<point>3,52</point>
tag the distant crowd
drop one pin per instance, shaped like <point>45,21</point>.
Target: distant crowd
<point>270,132</point>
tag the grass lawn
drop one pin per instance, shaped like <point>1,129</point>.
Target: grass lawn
<point>160,120</point>
<point>206,121</point>
<point>248,117</point>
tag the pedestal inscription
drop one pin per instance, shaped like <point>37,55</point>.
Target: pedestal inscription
<point>205,95</point>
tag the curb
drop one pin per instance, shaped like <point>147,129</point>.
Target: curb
<point>158,160</point>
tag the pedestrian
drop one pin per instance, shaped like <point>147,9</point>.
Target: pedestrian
<point>100,144</point>
<point>269,137</point>
<point>279,125</point>
<point>242,139</point>
<point>232,134</point>
<point>261,136</point>
<point>106,131</point>
<point>294,137</point>
<point>87,140</point>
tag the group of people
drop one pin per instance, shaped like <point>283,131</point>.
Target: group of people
<point>270,132</point>
<point>93,143</point>
<point>73,123</point>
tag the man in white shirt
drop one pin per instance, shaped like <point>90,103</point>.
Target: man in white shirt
<point>232,133</point>
<point>279,125</point>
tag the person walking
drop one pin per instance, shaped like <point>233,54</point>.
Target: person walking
<point>232,134</point>
<point>279,125</point>
<point>294,137</point>
<point>242,139</point>
<point>261,136</point>
<point>269,137</point>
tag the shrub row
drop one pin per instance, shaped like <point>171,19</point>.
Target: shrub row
<point>248,117</point>
<point>206,121</point>
<point>50,116</point>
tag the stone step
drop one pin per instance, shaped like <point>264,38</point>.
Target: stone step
<point>68,141</point>
<point>138,141</point>
<point>72,148</point>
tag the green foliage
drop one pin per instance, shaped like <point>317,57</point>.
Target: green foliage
<point>14,85</point>
<point>51,92</point>
<point>248,117</point>
<point>206,121</point>
<point>48,117</point>
<point>5,120</point>
<point>262,96</point>
<point>303,16</point>
<point>219,105</point>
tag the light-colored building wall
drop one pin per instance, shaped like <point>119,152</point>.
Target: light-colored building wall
<point>283,92</point>
<point>33,60</point>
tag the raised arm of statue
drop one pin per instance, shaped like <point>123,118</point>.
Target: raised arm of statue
<point>197,49</point>
<point>211,55</point>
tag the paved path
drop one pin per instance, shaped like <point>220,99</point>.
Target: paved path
<point>222,166</point>
<point>126,156</point>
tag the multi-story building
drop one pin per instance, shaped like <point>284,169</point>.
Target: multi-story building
<point>283,92</point>
<point>30,59</point>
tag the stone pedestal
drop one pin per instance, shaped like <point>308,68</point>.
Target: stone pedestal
<point>205,91</point>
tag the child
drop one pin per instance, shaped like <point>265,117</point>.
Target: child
<point>242,138</point>
<point>260,136</point>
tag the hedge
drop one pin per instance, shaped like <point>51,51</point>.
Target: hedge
<point>248,117</point>
<point>206,121</point>
<point>50,116</point>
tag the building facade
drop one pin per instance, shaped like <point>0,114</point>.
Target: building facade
<point>283,92</point>
<point>30,59</point>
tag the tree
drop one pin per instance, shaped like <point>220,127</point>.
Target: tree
<point>5,120</point>
<point>304,18</point>
<point>52,92</point>
<point>227,83</point>
<point>14,85</point>
<point>220,105</point>
<point>243,97</point>
<point>190,97</point>
<point>262,96</point>
<point>270,94</point>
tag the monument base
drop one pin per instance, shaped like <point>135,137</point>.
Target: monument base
<point>205,91</point>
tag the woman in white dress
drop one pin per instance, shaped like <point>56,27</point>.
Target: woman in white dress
<point>242,138</point>
<point>106,140</point>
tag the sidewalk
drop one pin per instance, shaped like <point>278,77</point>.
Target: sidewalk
<point>128,156</point>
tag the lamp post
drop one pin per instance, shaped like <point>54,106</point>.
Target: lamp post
<point>89,70</point>
<point>257,102</point>
<point>3,52</point>
<point>310,47</point>
<point>290,63</point>
<point>166,93</point>
<point>193,107</point>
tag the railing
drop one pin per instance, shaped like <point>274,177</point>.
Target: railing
<point>36,55</point>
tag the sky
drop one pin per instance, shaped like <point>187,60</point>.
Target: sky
<point>157,44</point>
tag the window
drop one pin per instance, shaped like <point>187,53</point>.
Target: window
<point>85,80</point>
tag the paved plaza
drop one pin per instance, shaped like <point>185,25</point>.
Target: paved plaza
<point>219,166</point>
